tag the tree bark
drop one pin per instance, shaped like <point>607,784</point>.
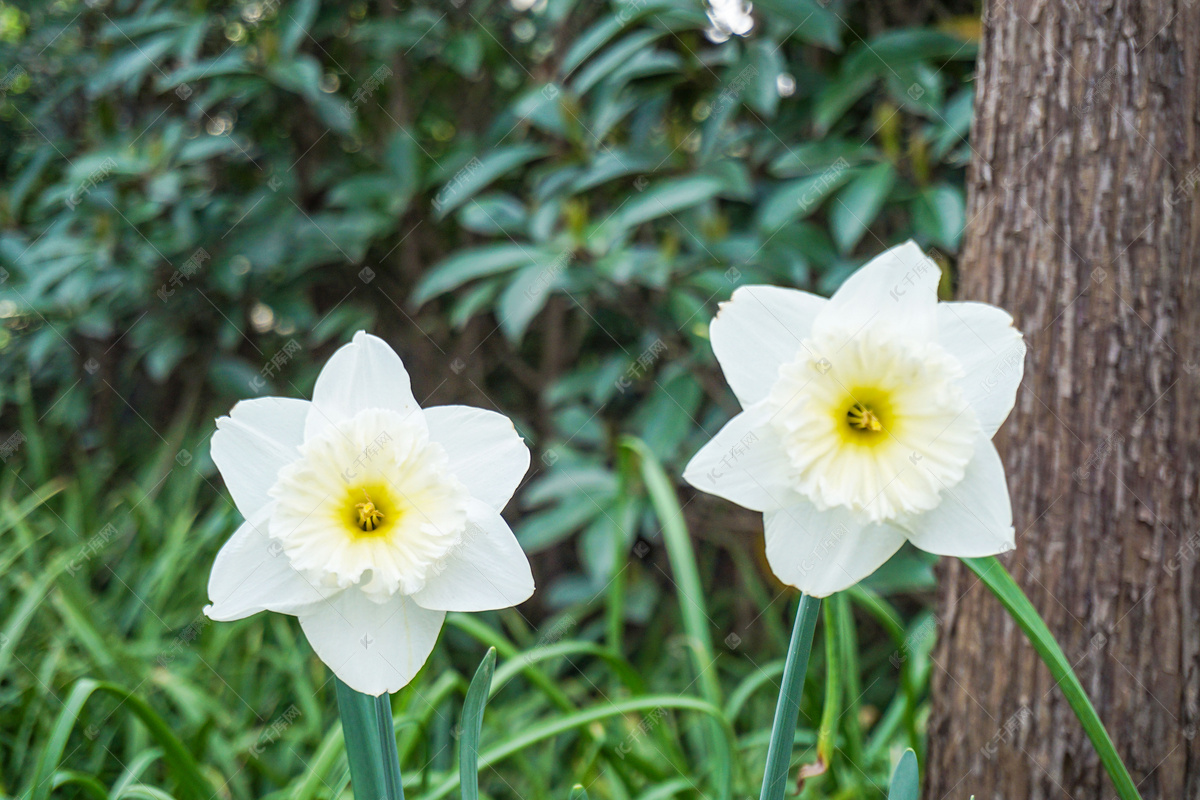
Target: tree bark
<point>1084,224</point>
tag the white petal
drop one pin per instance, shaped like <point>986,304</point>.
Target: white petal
<point>373,647</point>
<point>992,353</point>
<point>252,574</point>
<point>366,373</point>
<point>758,329</point>
<point>486,452</point>
<point>487,570</point>
<point>975,515</point>
<point>744,463</point>
<point>896,290</point>
<point>251,445</point>
<point>822,552</point>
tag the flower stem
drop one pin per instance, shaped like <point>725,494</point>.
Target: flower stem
<point>787,711</point>
<point>993,575</point>
<point>370,744</point>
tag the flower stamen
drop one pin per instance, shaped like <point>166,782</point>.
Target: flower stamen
<point>862,418</point>
<point>369,516</point>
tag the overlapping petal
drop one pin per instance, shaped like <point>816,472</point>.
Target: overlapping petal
<point>251,445</point>
<point>974,517</point>
<point>373,647</point>
<point>487,570</point>
<point>895,291</point>
<point>486,452</point>
<point>745,463</point>
<point>366,373</point>
<point>757,330</point>
<point>822,552</point>
<point>252,574</point>
<point>992,353</point>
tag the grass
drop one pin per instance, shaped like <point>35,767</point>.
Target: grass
<point>114,685</point>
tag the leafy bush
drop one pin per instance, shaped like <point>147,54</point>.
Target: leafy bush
<point>541,206</point>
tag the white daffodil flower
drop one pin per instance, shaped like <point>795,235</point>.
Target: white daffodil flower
<point>368,517</point>
<point>867,421</point>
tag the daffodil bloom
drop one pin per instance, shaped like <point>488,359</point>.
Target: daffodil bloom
<point>867,421</point>
<point>368,517</point>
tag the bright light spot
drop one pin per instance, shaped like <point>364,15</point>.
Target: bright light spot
<point>262,317</point>
<point>524,30</point>
<point>729,17</point>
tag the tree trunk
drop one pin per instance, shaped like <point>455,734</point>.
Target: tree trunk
<point>1084,224</point>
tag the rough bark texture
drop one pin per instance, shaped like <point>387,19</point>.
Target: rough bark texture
<point>1083,223</point>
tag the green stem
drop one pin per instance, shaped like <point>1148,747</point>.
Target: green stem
<point>787,711</point>
<point>370,744</point>
<point>996,578</point>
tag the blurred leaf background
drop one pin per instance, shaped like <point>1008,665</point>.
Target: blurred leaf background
<point>540,205</point>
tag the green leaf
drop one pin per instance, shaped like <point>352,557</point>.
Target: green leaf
<point>762,91</point>
<point>956,123</point>
<point>590,41</point>
<point>526,295</point>
<point>939,214</point>
<point>603,31</point>
<point>661,200</point>
<point>536,532</point>
<point>787,710</point>
<point>467,265</point>
<point>578,793</point>
<point>464,52</point>
<point>479,172</point>
<point>612,58</point>
<point>813,157</point>
<point>857,206</point>
<point>472,722</point>
<point>801,197</point>
<point>808,20</point>
<point>298,19</point>
<point>370,743</point>
<point>837,97</point>
<point>993,575</point>
<point>498,213</point>
<point>906,779</point>
<point>901,47</point>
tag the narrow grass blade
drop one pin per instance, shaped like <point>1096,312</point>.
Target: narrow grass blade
<point>787,711</point>
<point>362,726</point>
<point>191,782</point>
<point>692,606</point>
<point>906,780</point>
<point>387,746</point>
<point>683,563</point>
<point>472,723</point>
<point>835,669</point>
<point>582,720</point>
<point>996,578</point>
